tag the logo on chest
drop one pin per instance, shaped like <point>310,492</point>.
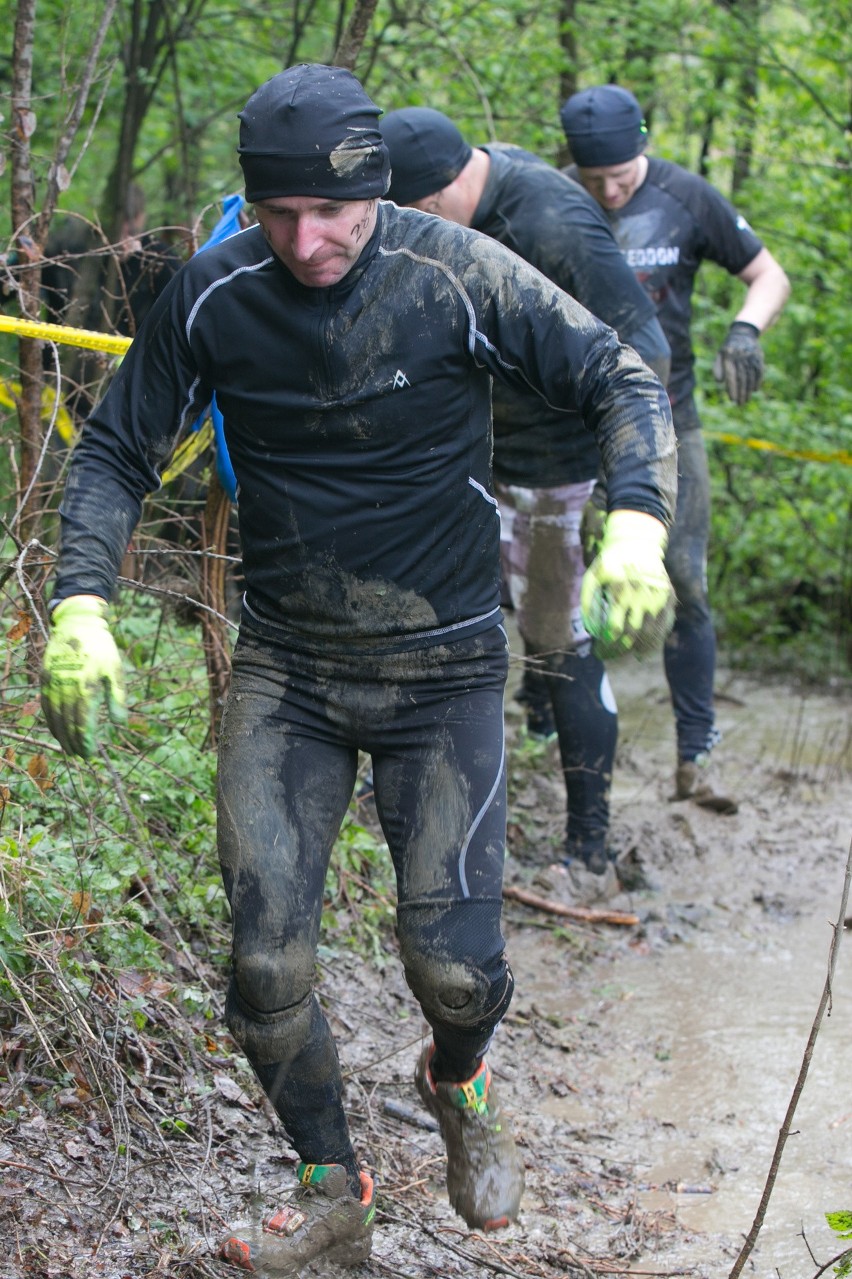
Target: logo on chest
<point>400,380</point>
<point>663,255</point>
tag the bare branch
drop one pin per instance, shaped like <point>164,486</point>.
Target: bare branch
<point>825,1002</point>
<point>75,115</point>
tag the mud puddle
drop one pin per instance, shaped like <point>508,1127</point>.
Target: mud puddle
<point>698,1049</point>
<point>686,1038</point>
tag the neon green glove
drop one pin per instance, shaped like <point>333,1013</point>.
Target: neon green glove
<point>81,666</point>
<point>626,597</point>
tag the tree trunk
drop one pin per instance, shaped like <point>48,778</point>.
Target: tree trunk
<point>352,40</point>
<point>566,18</point>
<point>142,54</point>
<point>745,15</point>
<point>746,105</point>
<point>709,125</point>
<point>29,287</point>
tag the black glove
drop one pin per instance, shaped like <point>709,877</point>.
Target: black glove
<point>739,363</point>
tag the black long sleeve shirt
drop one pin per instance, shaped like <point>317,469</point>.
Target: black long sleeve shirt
<point>556,226</point>
<point>358,422</point>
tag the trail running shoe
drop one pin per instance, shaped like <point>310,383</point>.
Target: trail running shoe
<point>485,1172</point>
<point>323,1219</point>
<point>587,886</point>
<point>691,776</point>
<point>694,780</point>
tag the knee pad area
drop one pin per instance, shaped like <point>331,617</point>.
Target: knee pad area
<point>268,1038</point>
<point>454,981</point>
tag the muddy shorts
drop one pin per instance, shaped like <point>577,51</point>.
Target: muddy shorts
<point>542,560</point>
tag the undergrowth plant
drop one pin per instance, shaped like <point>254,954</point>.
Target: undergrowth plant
<point>841,1224</point>
<point>780,558</point>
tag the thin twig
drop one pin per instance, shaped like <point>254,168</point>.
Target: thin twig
<point>841,1256</point>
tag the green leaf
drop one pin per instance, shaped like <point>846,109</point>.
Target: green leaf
<point>841,1223</point>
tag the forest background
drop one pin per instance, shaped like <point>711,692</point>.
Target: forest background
<point>108,868</point>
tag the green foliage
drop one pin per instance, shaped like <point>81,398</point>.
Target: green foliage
<point>359,906</point>
<point>780,570</point>
<point>94,857</point>
<point>494,69</point>
<point>211,58</point>
<point>841,1224</point>
<point>114,863</point>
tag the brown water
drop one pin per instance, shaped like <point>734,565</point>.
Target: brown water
<point>703,1052</point>
<point>689,1046</point>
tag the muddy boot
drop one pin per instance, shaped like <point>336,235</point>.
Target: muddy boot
<point>690,775</point>
<point>485,1172</point>
<point>587,884</point>
<point>693,781</point>
<point>323,1220</point>
<point>632,872</point>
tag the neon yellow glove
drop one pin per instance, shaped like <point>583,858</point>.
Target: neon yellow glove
<point>626,597</point>
<point>81,667</point>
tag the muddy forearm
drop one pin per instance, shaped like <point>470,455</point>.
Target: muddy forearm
<point>633,424</point>
<point>98,520</point>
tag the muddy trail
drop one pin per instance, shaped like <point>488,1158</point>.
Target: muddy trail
<point>647,1066</point>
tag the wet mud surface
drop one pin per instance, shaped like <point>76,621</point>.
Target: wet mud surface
<point>647,1067</point>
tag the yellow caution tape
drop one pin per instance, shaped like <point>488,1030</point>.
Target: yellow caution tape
<point>10,393</point>
<point>112,343</point>
<point>185,454</point>
<point>843,456</point>
<point>188,450</point>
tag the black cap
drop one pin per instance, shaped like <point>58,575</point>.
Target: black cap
<point>312,130</point>
<point>427,152</point>
<point>603,126</point>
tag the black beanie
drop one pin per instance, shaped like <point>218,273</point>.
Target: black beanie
<point>427,152</point>
<point>312,130</point>
<point>603,126</point>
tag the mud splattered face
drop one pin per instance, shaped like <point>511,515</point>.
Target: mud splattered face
<point>612,185</point>
<point>317,240</point>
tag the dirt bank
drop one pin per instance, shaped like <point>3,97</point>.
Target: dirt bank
<point>648,1067</point>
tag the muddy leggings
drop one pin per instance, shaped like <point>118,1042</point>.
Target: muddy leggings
<point>432,720</point>
<point>690,651</point>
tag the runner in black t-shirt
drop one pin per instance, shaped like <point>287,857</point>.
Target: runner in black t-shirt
<point>667,221</point>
